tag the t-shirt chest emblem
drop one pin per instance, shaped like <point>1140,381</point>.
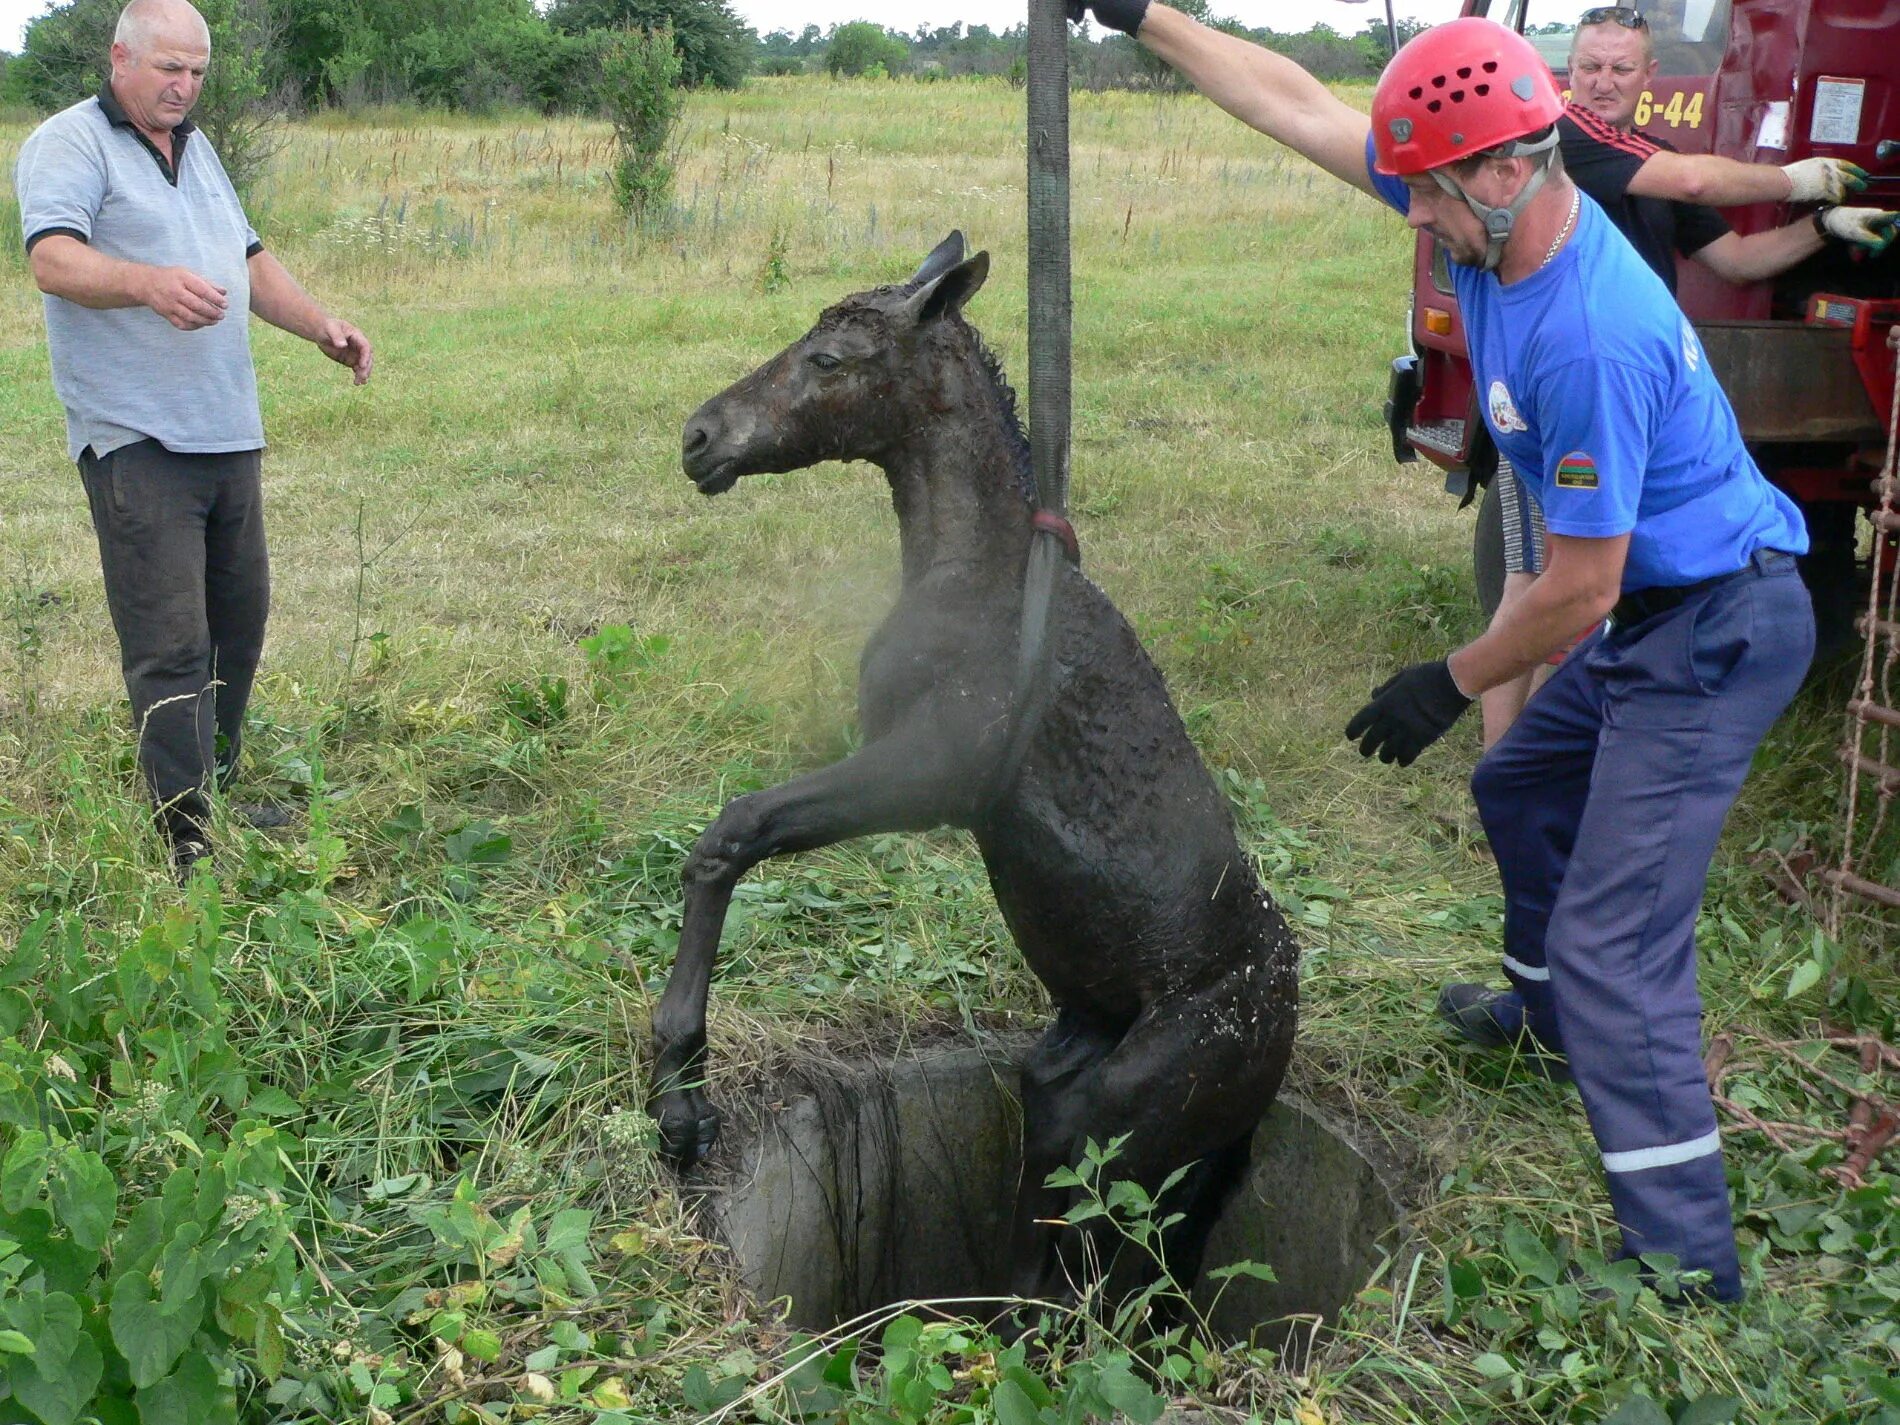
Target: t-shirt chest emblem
<point>1504,416</point>
<point>1691,348</point>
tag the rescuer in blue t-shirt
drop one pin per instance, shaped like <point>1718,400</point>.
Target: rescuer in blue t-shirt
<point>1604,801</point>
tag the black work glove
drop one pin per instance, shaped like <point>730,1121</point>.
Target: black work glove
<point>1123,15</point>
<point>1408,713</point>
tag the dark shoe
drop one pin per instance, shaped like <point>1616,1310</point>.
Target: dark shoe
<point>187,852</point>
<point>1621,1279</point>
<point>1494,1019</point>
<point>263,816</point>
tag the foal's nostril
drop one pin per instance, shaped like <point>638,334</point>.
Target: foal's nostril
<point>697,438</point>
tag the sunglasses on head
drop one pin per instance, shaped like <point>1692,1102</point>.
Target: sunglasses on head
<point>1628,16</point>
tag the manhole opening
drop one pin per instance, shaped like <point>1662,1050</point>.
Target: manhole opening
<point>895,1182</point>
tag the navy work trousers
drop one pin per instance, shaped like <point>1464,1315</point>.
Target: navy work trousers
<point>181,543</point>
<point>1603,805</point>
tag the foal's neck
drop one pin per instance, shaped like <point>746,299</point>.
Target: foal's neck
<point>954,481</point>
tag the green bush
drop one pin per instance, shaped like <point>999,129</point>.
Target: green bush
<point>859,48</point>
<point>639,88</point>
<point>715,47</point>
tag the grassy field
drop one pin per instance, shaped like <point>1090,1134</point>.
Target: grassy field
<point>517,662</point>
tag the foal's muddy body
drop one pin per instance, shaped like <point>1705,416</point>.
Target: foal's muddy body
<point>1111,854</point>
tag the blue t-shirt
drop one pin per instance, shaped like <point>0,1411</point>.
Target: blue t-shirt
<point>1597,391</point>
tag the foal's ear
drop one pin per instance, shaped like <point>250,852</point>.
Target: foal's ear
<point>943,257</point>
<point>949,292</point>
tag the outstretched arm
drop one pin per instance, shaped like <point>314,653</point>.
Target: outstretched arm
<point>1737,258</point>
<point>279,300</point>
<point>1728,182</point>
<point>1264,90</point>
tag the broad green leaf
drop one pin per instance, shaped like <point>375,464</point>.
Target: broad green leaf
<point>1030,1384</point>
<point>68,1267</point>
<point>1493,1366</point>
<point>23,1170</point>
<point>16,1343</point>
<point>27,956</point>
<point>58,1396</point>
<point>1710,1410</point>
<point>479,844</point>
<point>150,1337</point>
<point>268,1344</point>
<point>86,1197</point>
<point>902,1333</point>
<point>1259,1271</point>
<point>191,1395</point>
<point>1637,1410</point>
<point>137,1247</point>
<point>53,1321</point>
<point>1130,1394</point>
<point>1804,978</point>
<point>568,1231</point>
<point>1012,1405</point>
<point>272,1103</point>
<point>181,1269</point>
<point>482,1344</point>
<point>1529,1254</point>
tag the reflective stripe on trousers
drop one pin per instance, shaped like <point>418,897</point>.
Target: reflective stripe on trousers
<point>1603,805</point>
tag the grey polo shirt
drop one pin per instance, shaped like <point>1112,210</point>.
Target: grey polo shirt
<point>128,374</point>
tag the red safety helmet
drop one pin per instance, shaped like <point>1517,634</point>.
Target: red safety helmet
<point>1456,90</point>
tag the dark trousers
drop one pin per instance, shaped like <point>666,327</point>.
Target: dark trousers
<point>181,541</point>
<point>1603,804</point>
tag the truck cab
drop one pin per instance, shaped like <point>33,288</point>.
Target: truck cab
<point>1803,356</point>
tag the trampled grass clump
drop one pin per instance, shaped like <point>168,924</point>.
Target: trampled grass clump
<point>517,663</point>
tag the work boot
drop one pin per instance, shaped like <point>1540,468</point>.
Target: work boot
<point>263,816</point>
<point>1494,1019</point>
<point>186,837</point>
<point>187,851</point>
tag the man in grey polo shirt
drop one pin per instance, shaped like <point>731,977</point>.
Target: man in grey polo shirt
<point>139,242</point>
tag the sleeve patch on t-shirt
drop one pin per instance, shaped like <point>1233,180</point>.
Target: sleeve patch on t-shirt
<point>1577,471</point>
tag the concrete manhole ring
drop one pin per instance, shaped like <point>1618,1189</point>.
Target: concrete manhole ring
<point>894,1181</point>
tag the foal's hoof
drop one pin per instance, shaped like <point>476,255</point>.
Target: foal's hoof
<point>687,1132</point>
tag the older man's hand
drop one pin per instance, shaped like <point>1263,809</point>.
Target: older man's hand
<point>183,298</point>
<point>346,346</point>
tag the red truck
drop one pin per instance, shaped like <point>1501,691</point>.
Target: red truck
<point>1803,356</point>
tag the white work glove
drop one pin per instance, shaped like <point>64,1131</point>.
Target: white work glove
<point>1823,180</point>
<point>1870,228</point>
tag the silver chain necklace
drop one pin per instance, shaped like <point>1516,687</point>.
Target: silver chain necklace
<point>1576,201</point>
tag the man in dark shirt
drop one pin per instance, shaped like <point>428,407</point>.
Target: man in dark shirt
<point>1602,159</point>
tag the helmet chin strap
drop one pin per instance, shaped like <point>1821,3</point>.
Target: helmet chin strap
<point>1498,222</point>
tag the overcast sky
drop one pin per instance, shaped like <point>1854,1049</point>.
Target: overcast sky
<point>794,15</point>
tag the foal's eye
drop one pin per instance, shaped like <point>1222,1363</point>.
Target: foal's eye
<point>824,361</point>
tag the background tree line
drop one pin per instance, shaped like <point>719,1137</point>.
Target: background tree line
<point>483,54</point>
<point>459,54</point>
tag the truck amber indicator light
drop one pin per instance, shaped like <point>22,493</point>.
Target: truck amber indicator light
<point>1438,321</point>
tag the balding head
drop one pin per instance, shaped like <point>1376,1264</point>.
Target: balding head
<point>144,24</point>
<point>159,57</point>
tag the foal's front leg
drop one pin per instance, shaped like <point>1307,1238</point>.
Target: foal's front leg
<point>906,781</point>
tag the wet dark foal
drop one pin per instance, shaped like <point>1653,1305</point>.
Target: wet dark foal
<point>1112,854</point>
